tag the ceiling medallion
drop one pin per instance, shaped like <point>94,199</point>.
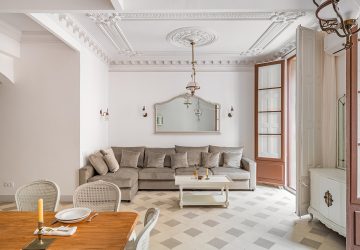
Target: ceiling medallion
<point>182,37</point>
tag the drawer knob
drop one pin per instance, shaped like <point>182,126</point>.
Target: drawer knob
<point>328,198</point>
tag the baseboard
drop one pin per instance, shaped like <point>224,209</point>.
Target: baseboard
<point>11,198</point>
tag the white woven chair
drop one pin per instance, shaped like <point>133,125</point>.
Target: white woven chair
<point>143,240</point>
<point>27,196</point>
<point>98,196</point>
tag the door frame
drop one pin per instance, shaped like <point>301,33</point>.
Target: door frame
<point>283,129</point>
<point>288,61</point>
<point>353,201</point>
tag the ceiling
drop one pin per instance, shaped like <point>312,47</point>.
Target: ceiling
<point>245,31</point>
<point>135,32</point>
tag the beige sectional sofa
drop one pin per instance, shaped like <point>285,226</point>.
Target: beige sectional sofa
<point>130,180</point>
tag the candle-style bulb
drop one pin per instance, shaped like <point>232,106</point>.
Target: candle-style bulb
<point>41,210</point>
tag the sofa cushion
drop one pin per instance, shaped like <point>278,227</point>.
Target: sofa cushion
<point>232,160</point>
<point>129,159</point>
<point>111,162</point>
<point>98,163</point>
<point>233,173</point>
<point>156,174</point>
<point>221,150</point>
<point>179,160</point>
<point>190,171</point>
<point>210,160</point>
<point>118,152</point>
<point>167,151</point>
<point>124,177</point>
<point>155,160</point>
<point>193,153</point>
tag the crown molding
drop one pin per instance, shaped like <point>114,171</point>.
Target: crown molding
<point>196,15</point>
<point>180,65</point>
<point>82,35</point>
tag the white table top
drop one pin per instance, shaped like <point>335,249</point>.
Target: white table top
<point>213,179</point>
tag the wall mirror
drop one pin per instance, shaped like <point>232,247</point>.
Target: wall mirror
<point>187,114</point>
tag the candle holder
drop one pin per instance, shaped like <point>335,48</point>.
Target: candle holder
<point>207,174</point>
<point>40,243</point>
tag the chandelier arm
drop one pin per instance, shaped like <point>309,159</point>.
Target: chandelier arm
<point>346,32</point>
<point>331,30</point>
<point>314,1</point>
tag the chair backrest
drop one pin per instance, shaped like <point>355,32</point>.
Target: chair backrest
<point>27,196</point>
<point>98,196</point>
<point>143,240</point>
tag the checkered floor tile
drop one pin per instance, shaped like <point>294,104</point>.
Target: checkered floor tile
<point>263,219</point>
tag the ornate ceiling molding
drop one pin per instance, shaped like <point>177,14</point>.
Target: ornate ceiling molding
<point>183,36</point>
<point>280,21</point>
<point>108,23</point>
<point>228,15</point>
<point>82,35</point>
<point>181,65</point>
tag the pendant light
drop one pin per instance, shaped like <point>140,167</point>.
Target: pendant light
<point>193,85</point>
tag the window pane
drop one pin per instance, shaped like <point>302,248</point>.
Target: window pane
<point>269,123</point>
<point>269,76</point>
<point>269,100</point>
<point>269,146</point>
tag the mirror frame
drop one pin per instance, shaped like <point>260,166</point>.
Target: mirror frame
<point>188,132</point>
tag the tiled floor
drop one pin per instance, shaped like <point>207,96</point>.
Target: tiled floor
<point>263,219</point>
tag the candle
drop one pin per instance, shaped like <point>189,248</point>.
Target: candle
<point>207,172</point>
<point>41,210</point>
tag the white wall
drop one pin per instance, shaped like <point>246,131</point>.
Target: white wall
<point>40,125</point>
<point>94,78</point>
<point>129,91</point>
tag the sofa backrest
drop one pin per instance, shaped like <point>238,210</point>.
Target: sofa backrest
<point>193,153</point>
<point>118,152</point>
<point>167,151</point>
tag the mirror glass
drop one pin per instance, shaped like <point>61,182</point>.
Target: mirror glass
<point>185,113</point>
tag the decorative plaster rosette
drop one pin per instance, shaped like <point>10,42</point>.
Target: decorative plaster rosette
<point>183,36</point>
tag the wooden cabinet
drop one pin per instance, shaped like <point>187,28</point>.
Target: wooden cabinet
<point>269,122</point>
<point>328,197</point>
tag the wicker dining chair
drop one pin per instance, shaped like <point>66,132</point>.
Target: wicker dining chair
<point>98,196</point>
<point>27,196</point>
<point>142,241</point>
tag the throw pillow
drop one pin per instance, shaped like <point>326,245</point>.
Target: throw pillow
<point>179,160</point>
<point>111,162</point>
<point>155,160</point>
<point>232,160</point>
<point>129,159</point>
<point>210,160</point>
<point>98,163</point>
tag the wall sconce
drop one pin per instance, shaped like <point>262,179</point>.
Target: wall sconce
<point>230,114</point>
<point>145,114</point>
<point>105,114</point>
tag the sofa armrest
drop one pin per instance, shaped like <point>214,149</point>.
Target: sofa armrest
<point>85,173</point>
<point>250,165</point>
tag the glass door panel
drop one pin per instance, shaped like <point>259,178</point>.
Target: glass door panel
<point>269,100</point>
<point>269,123</point>
<point>270,146</point>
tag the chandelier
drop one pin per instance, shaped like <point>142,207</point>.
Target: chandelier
<point>193,85</point>
<point>338,17</point>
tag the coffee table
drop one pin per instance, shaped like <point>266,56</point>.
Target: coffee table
<point>192,198</point>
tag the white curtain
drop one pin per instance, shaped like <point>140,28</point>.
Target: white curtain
<point>328,113</point>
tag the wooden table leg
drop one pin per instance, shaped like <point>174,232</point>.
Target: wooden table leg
<point>227,196</point>
<point>181,197</point>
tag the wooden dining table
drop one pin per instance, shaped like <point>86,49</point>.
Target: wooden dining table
<point>108,230</point>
